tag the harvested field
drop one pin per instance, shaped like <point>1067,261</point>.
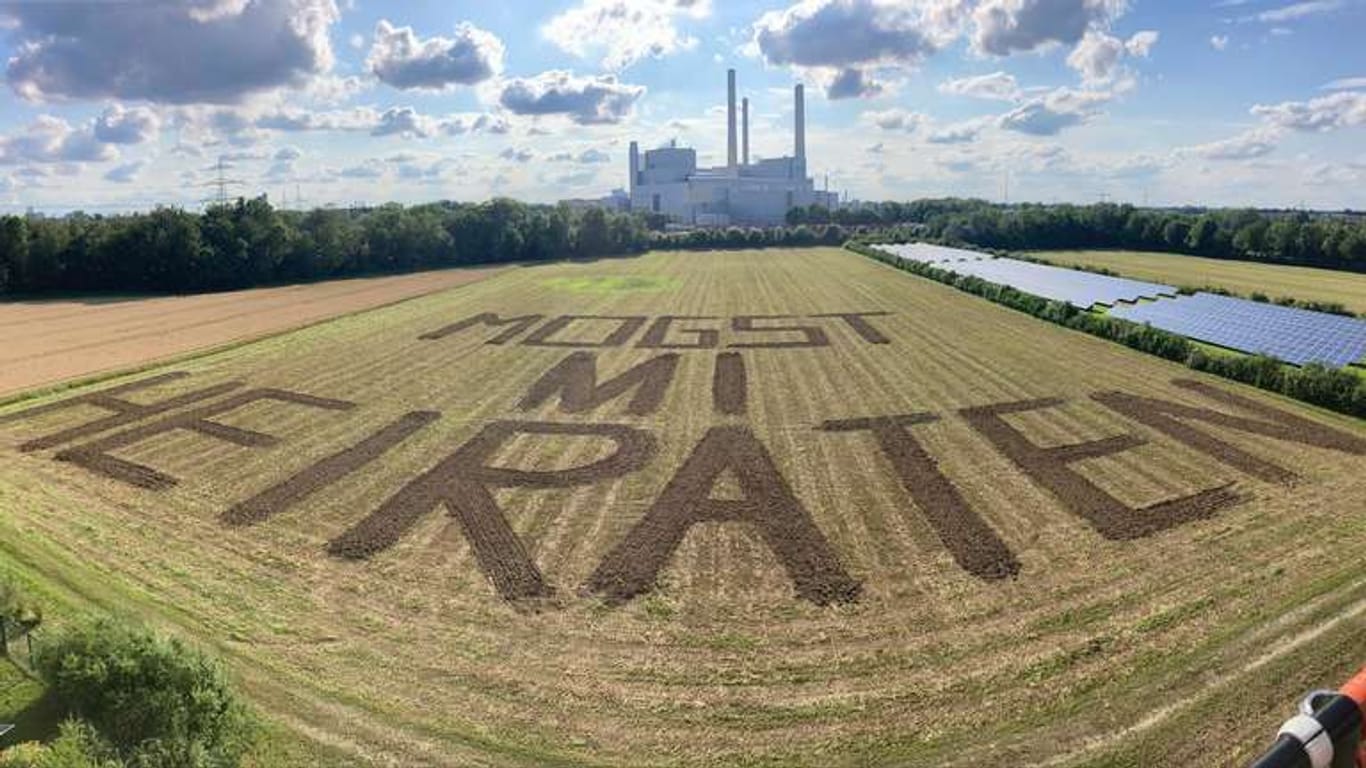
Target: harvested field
<point>48,341</point>
<point>782,508</point>
<point>1241,277</point>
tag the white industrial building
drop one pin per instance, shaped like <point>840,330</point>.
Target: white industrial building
<point>668,181</point>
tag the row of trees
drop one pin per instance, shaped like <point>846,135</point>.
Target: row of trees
<point>1289,237</point>
<point>249,243</point>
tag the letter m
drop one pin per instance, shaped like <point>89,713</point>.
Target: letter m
<point>519,324</point>
<point>575,379</point>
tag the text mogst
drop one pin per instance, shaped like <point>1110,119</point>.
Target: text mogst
<point>462,482</point>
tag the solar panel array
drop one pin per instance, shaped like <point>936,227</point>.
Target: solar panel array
<point>1081,289</point>
<point>1296,336</point>
<point>926,253</point>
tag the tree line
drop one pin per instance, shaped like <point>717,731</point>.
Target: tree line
<point>248,243</point>
<point>1334,241</point>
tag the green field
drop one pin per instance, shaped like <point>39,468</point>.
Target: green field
<point>783,508</point>
<point>1241,277</point>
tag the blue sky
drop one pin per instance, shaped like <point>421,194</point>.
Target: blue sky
<point>117,105</point>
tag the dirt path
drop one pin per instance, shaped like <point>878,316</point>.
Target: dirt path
<point>48,341</point>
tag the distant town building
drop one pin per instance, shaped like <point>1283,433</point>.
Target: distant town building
<point>667,180</point>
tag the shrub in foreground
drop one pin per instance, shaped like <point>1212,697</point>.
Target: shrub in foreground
<point>155,701</point>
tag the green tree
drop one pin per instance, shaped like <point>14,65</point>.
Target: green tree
<point>153,699</point>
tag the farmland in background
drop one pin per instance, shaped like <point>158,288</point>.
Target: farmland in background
<point>57,339</point>
<point>1241,277</point>
<point>1179,648</point>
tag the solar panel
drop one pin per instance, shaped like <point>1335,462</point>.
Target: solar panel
<point>1082,289</point>
<point>1296,336</point>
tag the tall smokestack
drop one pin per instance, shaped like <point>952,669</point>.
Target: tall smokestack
<point>799,118</point>
<point>635,166</point>
<point>730,119</point>
<point>744,132</point>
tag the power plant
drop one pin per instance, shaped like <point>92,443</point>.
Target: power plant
<point>667,180</point>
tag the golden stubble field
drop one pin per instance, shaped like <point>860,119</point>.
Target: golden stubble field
<point>356,612</point>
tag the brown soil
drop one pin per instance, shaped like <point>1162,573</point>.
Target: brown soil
<point>729,388</point>
<point>1158,414</point>
<point>279,498</point>
<point>1051,468</point>
<point>51,341</point>
<point>656,335</point>
<point>862,327</point>
<point>575,379</point>
<point>815,336</point>
<point>768,505</point>
<point>973,544</point>
<point>626,328</point>
<point>461,483</point>
<point>95,456</point>
<point>519,324</point>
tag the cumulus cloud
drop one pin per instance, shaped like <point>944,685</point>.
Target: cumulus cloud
<point>585,100</point>
<point>1219,42</point>
<point>593,156</point>
<point>287,154</point>
<point>51,139</point>
<point>957,133</point>
<point>517,155</point>
<point>896,119</point>
<point>401,59</point>
<point>1003,27</point>
<point>403,121</point>
<point>126,126</point>
<point>845,39</point>
<point>1248,145</point>
<point>997,85</point>
<point>1097,57</point>
<point>177,53</point>
<point>851,83</point>
<point>1325,113</point>
<point>126,173</point>
<point>625,31</point>
<point>1048,115</point>
<point>458,125</point>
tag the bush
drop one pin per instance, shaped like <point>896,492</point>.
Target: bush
<point>19,607</point>
<point>157,701</point>
<point>77,746</point>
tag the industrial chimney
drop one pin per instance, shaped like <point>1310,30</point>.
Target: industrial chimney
<point>635,167</point>
<point>799,118</point>
<point>730,119</point>
<point>744,131</point>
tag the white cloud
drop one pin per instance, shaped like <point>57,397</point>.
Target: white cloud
<point>956,133</point>
<point>1297,11</point>
<point>1004,27</point>
<point>1053,112</point>
<point>51,139</point>
<point>585,100</point>
<point>1219,42</point>
<point>844,41</point>
<point>520,155</point>
<point>896,119</point>
<point>625,31</point>
<point>167,52</point>
<point>127,126</point>
<point>125,174</point>
<point>1339,110</point>
<point>1345,84</point>
<point>401,59</point>
<point>996,85</point>
<point>1254,143</point>
<point>404,121</point>
<point>1098,56</point>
